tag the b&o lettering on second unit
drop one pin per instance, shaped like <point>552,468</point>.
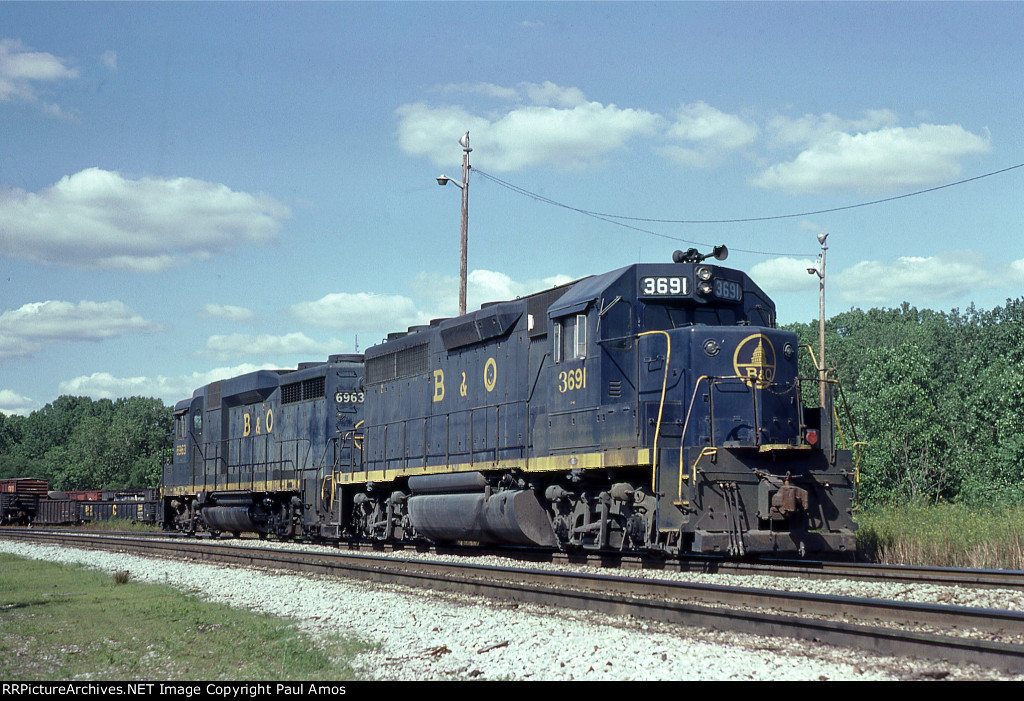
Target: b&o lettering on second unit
<point>257,422</point>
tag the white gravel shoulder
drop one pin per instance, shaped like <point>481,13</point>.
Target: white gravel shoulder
<point>422,636</point>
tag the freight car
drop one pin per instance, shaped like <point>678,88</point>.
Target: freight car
<point>134,505</point>
<point>24,501</point>
<point>653,407</point>
<point>19,499</point>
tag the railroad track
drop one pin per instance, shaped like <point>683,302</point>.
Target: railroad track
<point>910,574</point>
<point>987,637</point>
<point>775,567</point>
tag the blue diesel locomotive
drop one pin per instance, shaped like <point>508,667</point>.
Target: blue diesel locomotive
<point>654,407</point>
<point>251,453</point>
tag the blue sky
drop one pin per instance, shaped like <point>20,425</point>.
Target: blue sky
<point>193,190</point>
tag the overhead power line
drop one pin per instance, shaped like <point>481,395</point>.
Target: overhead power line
<point>613,218</point>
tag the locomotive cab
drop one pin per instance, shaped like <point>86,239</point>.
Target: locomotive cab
<point>682,366</point>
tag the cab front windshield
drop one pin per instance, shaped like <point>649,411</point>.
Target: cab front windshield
<point>661,317</point>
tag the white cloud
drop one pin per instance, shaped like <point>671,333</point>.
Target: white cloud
<point>13,403</point>
<point>499,92</point>
<point>361,311</point>
<point>226,312</point>
<point>1016,270</point>
<point>103,385</point>
<point>228,347</point>
<point>26,329</point>
<point>431,296</point>
<point>812,128</point>
<point>886,159</point>
<point>946,277</point>
<point>546,124</point>
<point>549,124</point>
<point>23,70</point>
<point>491,286</point>
<point>708,132</point>
<point>439,294</point>
<point>785,275</point>
<point>109,59</point>
<point>100,219</point>
<point>546,93</point>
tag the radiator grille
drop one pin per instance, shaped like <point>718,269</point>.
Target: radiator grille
<point>407,362</point>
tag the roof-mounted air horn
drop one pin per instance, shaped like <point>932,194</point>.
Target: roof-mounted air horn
<point>695,256</point>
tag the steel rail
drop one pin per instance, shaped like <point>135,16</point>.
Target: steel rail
<point>777,567</point>
<point>740,609</point>
<point>910,574</point>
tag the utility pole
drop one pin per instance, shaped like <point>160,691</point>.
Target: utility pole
<point>820,272</point>
<point>464,186</point>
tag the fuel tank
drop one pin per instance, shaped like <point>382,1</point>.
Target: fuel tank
<point>234,519</point>
<point>513,517</point>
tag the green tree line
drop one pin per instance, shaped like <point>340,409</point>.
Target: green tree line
<point>938,397</point>
<point>81,443</point>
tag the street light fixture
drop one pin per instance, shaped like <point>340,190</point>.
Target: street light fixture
<point>820,272</point>
<point>464,186</point>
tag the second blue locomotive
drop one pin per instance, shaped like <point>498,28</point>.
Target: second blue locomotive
<point>654,407</point>
<point>256,453</point>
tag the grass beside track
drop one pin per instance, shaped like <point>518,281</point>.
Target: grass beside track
<point>944,535</point>
<point>120,525</point>
<point>68,622</point>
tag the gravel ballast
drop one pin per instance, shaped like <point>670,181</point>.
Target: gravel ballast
<point>424,636</point>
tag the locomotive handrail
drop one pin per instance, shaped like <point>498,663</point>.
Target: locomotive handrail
<point>283,463</point>
<point>705,451</point>
<point>693,399</point>
<point>712,449</point>
<point>202,454</point>
<point>814,358</point>
<point>661,405</point>
<point>469,451</point>
<point>858,451</point>
<point>682,439</point>
<point>331,477</point>
<point>842,396</point>
<point>846,407</point>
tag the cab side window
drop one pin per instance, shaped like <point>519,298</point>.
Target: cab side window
<point>569,339</point>
<point>580,337</point>
<point>615,326</point>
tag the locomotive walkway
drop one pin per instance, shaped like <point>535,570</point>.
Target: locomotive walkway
<point>988,637</point>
